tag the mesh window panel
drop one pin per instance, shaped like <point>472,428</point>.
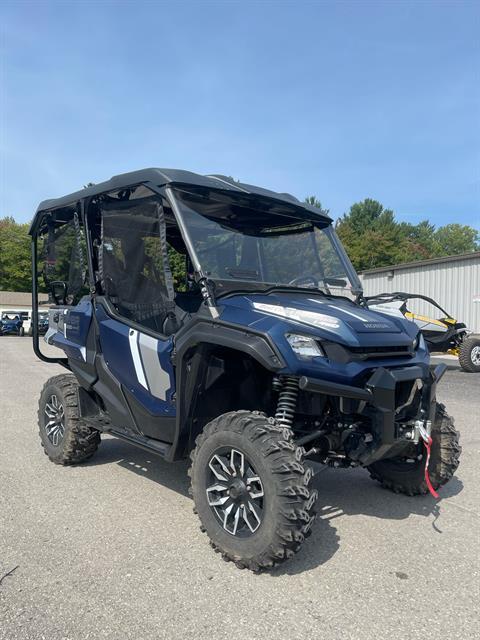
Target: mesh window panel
<point>133,275</point>
<point>62,258</point>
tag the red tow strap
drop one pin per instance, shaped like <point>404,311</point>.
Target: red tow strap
<point>427,441</point>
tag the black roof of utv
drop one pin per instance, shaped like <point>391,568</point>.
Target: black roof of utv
<point>162,177</point>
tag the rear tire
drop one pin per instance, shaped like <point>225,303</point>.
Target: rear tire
<point>469,354</point>
<point>65,438</point>
<point>268,522</point>
<point>409,477</point>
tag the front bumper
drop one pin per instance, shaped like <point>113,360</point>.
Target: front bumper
<point>381,401</point>
<point>9,331</point>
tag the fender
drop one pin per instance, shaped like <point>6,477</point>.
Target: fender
<point>199,338</point>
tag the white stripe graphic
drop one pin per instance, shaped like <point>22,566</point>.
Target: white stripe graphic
<point>137,362</point>
<point>158,379</point>
<point>354,315</point>
<point>332,306</point>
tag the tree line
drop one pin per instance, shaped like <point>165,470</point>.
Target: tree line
<point>371,234</point>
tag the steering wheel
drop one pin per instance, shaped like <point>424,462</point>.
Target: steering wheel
<point>305,279</point>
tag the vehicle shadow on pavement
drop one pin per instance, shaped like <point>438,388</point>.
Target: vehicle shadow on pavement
<point>346,493</point>
<point>341,493</point>
<point>148,465</point>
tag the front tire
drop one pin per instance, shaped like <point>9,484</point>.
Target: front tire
<point>469,354</point>
<point>251,490</point>
<point>65,438</point>
<point>401,476</point>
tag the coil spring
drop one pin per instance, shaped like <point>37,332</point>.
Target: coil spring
<point>287,400</point>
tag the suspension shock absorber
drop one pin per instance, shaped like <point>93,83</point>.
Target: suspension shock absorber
<point>287,388</point>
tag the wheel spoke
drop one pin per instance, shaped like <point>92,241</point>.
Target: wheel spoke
<point>226,513</point>
<point>250,510</point>
<point>226,472</point>
<point>237,462</point>
<point>236,520</point>
<point>217,487</point>
<point>215,500</point>
<point>255,487</point>
<point>50,411</point>
<point>50,425</point>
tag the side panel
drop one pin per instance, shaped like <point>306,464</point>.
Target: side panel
<point>141,364</point>
<point>69,327</point>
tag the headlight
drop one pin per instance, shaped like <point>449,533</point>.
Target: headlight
<point>307,317</point>
<point>304,347</point>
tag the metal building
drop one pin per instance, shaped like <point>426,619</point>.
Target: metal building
<point>454,282</point>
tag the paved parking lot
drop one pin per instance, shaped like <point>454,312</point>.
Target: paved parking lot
<point>111,549</point>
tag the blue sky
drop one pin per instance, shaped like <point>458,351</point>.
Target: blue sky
<point>344,100</point>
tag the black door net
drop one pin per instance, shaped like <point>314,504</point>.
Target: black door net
<point>134,268</point>
<point>62,255</point>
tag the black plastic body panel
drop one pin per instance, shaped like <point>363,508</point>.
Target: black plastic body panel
<point>86,371</point>
<point>197,339</point>
<point>149,444</point>
<point>152,426</point>
<point>111,392</point>
<point>255,344</point>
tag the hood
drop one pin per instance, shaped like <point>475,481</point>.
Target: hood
<point>328,317</point>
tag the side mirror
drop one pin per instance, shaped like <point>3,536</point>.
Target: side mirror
<point>58,289</point>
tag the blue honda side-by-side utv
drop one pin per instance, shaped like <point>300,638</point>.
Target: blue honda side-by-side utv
<point>203,317</point>
<point>11,324</point>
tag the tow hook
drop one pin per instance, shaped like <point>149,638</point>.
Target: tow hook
<point>421,429</point>
<point>424,428</point>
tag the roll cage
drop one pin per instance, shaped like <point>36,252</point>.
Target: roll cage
<point>404,297</point>
<point>76,208</point>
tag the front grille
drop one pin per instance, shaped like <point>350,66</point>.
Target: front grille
<point>365,353</point>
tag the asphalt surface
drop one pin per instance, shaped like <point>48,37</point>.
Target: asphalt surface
<point>111,549</point>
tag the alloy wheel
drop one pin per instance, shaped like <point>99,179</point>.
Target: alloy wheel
<point>475,356</point>
<point>54,420</point>
<point>235,492</point>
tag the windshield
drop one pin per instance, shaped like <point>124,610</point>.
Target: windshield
<point>241,247</point>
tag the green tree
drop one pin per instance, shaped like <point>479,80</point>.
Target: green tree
<point>15,260</point>
<point>418,240</point>
<point>373,237</point>
<point>177,263</point>
<point>370,235</point>
<point>315,202</point>
<point>454,239</point>
<point>367,215</point>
